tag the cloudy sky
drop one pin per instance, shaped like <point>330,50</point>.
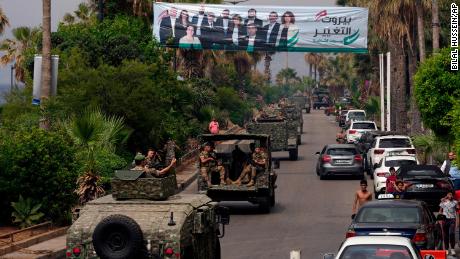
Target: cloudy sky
<point>29,13</point>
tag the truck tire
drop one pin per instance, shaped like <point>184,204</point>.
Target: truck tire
<point>216,253</point>
<point>264,205</point>
<point>299,140</point>
<point>118,236</point>
<point>293,154</point>
<point>272,199</point>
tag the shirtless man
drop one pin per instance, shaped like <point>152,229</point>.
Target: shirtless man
<point>361,196</point>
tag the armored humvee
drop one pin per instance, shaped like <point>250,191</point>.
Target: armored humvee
<point>233,151</point>
<point>277,128</point>
<point>143,219</point>
<point>294,118</point>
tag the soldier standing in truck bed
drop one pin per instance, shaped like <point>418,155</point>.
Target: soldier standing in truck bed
<point>258,162</point>
<point>208,165</point>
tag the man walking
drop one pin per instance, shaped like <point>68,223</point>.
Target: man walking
<point>448,207</point>
<point>361,196</point>
<point>447,164</point>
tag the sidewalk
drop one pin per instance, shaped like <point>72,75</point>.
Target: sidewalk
<point>189,171</point>
<point>50,249</point>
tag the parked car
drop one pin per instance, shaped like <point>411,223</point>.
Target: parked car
<point>382,170</point>
<point>406,218</point>
<point>355,115</point>
<point>382,144</point>
<point>339,159</point>
<point>382,247</point>
<point>357,128</point>
<point>425,182</point>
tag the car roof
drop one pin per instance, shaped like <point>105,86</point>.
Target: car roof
<point>353,110</point>
<point>340,146</point>
<point>420,167</point>
<point>392,203</point>
<point>377,240</point>
<point>362,122</point>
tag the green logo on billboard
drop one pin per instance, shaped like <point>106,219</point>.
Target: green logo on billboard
<point>350,39</point>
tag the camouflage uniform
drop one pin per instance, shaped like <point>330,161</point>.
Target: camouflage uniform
<point>152,162</point>
<point>251,169</point>
<point>211,166</point>
<point>138,168</point>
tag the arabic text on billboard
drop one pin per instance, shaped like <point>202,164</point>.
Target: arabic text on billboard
<point>261,28</point>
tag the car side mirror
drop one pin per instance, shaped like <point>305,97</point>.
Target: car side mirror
<point>329,256</point>
<point>223,215</point>
<point>276,164</point>
<point>317,153</point>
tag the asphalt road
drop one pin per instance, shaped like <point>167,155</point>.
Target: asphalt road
<point>310,215</point>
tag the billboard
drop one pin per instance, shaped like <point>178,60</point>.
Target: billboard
<point>261,28</point>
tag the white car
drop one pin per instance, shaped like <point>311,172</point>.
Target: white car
<point>390,143</point>
<point>355,115</point>
<point>382,169</point>
<point>357,128</point>
<point>362,247</point>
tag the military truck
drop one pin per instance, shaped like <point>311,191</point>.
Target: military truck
<point>293,115</point>
<point>277,128</point>
<point>303,102</point>
<point>234,151</point>
<point>143,218</point>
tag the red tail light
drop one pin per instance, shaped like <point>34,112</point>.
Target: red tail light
<point>169,251</point>
<point>326,159</point>
<point>379,151</point>
<point>420,237</point>
<point>444,185</point>
<point>352,131</point>
<point>411,151</point>
<point>76,251</point>
<point>358,158</point>
<point>383,174</point>
<point>350,233</point>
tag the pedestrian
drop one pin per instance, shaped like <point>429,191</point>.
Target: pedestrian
<point>448,207</point>
<point>450,168</point>
<point>399,190</point>
<point>214,126</point>
<point>446,165</point>
<point>361,196</point>
<point>391,181</point>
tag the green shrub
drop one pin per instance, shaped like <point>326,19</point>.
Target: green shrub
<point>39,164</point>
<point>26,212</point>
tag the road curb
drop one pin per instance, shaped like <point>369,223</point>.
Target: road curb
<point>187,182</point>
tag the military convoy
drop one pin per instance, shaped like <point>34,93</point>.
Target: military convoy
<point>233,150</point>
<point>143,218</point>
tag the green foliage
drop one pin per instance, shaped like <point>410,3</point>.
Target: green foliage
<point>37,164</point>
<point>455,118</point>
<point>430,147</point>
<point>228,99</point>
<point>25,213</point>
<point>372,106</point>
<point>436,89</point>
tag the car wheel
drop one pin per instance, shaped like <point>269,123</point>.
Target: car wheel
<point>322,177</point>
<point>293,154</point>
<point>264,205</point>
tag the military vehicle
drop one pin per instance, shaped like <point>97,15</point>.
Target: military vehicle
<point>303,102</point>
<point>293,115</point>
<point>143,218</point>
<point>234,151</point>
<point>282,138</point>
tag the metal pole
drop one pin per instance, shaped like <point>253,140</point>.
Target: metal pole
<point>388,91</point>
<point>382,94</point>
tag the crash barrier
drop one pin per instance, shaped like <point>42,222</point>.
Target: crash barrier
<point>295,254</point>
<point>434,254</point>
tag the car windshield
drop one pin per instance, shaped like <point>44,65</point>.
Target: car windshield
<point>421,173</point>
<point>388,215</point>
<point>399,163</point>
<point>353,115</point>
<point>376,251</point>
<point>364,125</point>
<point>394,143</point>
<point>341,151</point>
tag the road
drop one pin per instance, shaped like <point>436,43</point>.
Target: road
<point>310,215</point>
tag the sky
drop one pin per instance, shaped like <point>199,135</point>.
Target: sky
<point>29,13</point>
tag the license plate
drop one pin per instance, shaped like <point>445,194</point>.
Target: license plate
<point>424,185</point>
<point>343,162</point>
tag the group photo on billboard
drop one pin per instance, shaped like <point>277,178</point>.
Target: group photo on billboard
<point>261,28</point>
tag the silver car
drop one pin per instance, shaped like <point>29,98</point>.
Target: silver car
<point>339,159</point>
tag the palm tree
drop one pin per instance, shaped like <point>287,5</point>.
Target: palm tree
<point>46,60</point>
<point>85,13</point>
<point>3,21</point>
<point>287,76</point>
<point>267,69</point>
<point>93,133</point>
<point>23,38</point>
<point>436,27</point>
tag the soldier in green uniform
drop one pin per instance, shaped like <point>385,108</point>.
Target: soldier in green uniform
<point>152,160</point>
<point>259,160</point>
<point>208,164</point>
<point>139,160</point>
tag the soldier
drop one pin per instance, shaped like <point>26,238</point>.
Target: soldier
<point>160,173</point>
<point>139,162</point>
<point>153,160</point>
<point>259,159</point>
<point>208,164</point>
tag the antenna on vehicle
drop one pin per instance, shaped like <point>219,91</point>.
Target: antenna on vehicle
<point>171,220</point>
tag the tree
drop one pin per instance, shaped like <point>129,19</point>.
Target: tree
<point>436,89</point>
<point>46,60</point>
<point>24,38</point>
<point>4,21</point>
<point>287,76</point>
<point>435,23</point>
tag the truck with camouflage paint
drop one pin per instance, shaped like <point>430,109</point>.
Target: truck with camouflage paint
<point>282,133</point>
<point>233,152</point>
<point>294,118</point>
<point>303,102</point>
<point>143,218</point>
